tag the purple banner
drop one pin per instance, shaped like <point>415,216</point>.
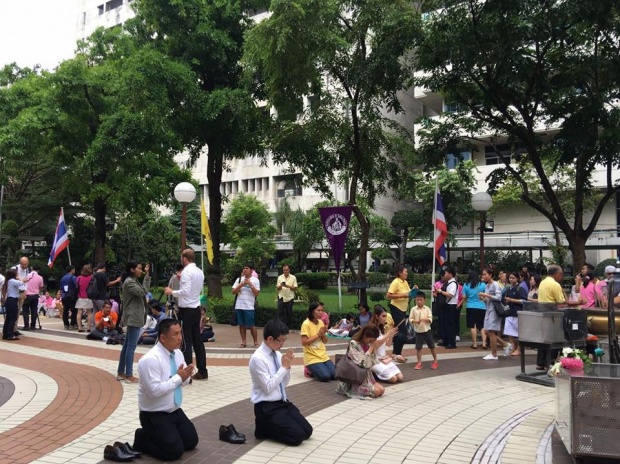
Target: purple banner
<point>336,221</point>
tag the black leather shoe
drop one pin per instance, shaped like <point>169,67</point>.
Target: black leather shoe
<point>116,454</point>
<point>227,435</point>
<point>127,449</point>
<point>232,427</point>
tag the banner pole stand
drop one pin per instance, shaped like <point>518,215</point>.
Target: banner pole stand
<point>339,292</point>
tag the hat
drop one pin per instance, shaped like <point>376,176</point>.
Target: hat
<point>610,269</point>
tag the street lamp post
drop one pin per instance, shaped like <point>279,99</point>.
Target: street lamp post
<point>481,202</point>
<point>184,194</point>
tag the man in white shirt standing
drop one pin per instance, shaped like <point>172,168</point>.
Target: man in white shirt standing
<point>246,288</point>
<point>166,431</point>
<point>286,286</point>
<point>190,288</point>
<point>275,416</point>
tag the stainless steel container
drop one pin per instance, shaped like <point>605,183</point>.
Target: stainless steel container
<point>587,411</point>
<point>541,327</point>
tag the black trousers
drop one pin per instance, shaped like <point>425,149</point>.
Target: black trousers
<point>190,320</point>
<point>281,421</point>
<point>165,435</point>
<point>68,304</point>
<point>29,310</point>
<point>10,318</point>
<point>449,322</point>
<point>285,311</point>
<point>401,337</point>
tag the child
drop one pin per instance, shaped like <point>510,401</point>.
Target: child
<point>342,328</point>
<point>206,329</point>
<point>421,318</point>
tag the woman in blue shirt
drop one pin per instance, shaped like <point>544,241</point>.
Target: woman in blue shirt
<point>10,293</point>
<point>475,308</point>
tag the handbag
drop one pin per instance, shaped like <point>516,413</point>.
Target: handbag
<point>410,332</point>
<point>349,372</point>
<point>501,309</point>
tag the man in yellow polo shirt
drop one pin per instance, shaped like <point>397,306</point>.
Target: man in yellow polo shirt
<point>398,295</point>
<point>286,286</point>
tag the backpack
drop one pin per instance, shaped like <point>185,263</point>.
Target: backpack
<point>92,291</point>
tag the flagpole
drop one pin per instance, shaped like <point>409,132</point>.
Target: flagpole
<point>62,210</point>
<point>434,237</point>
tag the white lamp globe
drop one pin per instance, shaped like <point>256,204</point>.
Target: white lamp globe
<point>481,201</point>
<point>184,192</point>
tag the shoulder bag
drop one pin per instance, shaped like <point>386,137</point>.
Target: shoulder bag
<point>501,309</point>
<point>233,315</point>
<point>349,372</point>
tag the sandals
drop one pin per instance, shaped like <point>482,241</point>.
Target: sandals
<point>399,359</point>
<point>242,345</point>
<point>485,347</point>
<point>474,347</point>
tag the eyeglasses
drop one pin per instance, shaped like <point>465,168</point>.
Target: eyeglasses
<point>279,340</point>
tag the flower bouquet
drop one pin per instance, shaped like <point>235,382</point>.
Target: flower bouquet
<point>572,361</point>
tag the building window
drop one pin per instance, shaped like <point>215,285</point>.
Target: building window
<point>451,107</point>
<point>112,4</point>
<point>452,160</point>
<point>289,187</point>
<point>492,157</point>
<point>100,9</point>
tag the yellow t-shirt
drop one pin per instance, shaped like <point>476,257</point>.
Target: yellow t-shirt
<point>316,352</point>
<point>399,286</point>
<point>389,322</point>
<point>550,291</point>
<point>420,313</point>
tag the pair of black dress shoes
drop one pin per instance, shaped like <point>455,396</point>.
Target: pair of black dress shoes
<point>120,452</point>
<point>229,434</point>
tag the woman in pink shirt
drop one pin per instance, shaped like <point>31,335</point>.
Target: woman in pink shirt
<point>590,293</point>
<point>83,302</point>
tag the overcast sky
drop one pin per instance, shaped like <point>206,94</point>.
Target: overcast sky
<point>37,31</point>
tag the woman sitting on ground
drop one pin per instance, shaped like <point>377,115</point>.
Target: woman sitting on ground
<point>313,338</point>
<point>363,352</point>
<point>385,369</point>
<point>341,329</point>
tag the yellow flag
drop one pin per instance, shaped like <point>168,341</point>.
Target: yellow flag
<point>204,226</point>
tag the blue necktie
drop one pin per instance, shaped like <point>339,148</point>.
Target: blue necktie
<point>275,361</point>
<point>178,393</point>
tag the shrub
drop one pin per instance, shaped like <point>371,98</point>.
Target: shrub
<point>599,270</point>
<point>377,296</point>
<point>314,280</point>
<point>376,278</point>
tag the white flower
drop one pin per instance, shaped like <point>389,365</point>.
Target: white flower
<point>567,351</point>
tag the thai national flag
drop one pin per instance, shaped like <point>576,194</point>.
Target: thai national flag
<point>61,239</point>
<point>441,229</point>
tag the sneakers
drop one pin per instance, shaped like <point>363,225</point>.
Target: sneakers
<point>490,357</point>
<point>458,339</point>
<point>508,349</point>
<point>418,366</point>
<point>434,366</point>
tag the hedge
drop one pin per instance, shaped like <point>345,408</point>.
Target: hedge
<point>314,280</point>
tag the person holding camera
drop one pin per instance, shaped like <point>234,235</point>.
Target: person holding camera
<point>286,286</point>
<point>105,323</point>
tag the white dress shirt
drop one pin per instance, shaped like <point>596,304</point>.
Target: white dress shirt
<point>156,387</point>
<point>190,287</point>
<point>266,379</point>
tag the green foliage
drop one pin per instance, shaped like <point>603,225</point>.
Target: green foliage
<point>376,278</point>
<point>381,253</point>
<point>508,261</point>
<point>599,270</point>
<point>546,88</point>
<point>249,229</point>
<point>314,280</point>
<point>377,296</point>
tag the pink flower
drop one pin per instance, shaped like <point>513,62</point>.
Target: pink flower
<point>571,364</point>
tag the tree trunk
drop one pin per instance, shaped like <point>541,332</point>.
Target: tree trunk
<point>214,177</point>
<point>577,246</point>
<point>403,245</point>
<point>363,256</point>
<point>100,210</point>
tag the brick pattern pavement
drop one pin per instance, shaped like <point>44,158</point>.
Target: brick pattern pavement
<point>435,416</point>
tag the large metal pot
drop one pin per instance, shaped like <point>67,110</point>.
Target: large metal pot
<point>597,321</point>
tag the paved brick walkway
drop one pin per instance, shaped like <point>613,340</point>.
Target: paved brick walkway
<point>59,402</point>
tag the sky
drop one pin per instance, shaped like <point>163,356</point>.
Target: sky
<point>37,32</point>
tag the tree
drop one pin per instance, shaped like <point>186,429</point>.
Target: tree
<point>222,118</point>
<point>539,76</point>
<point>349,59</point>
<point>249,230</point>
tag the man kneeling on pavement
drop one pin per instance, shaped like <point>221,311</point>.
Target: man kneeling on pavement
<point>166,431</point>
